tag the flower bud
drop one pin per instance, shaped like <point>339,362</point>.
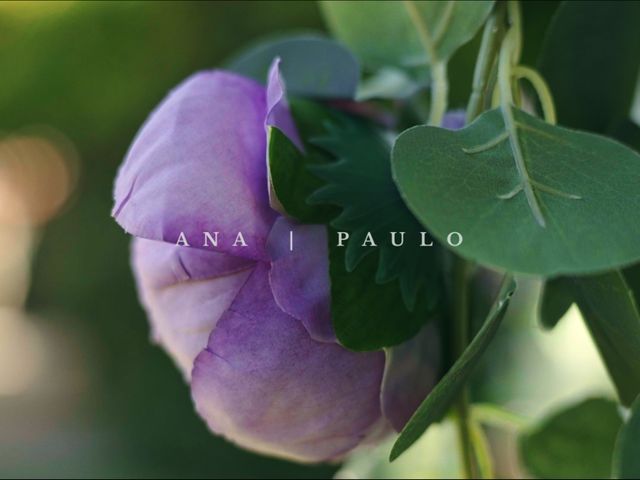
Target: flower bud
<point>250,326</point>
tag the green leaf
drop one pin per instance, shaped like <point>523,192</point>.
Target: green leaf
<point>608,303</point>
<point>555,299</point>
<point>627,132</point>
<point>291,182</point>
<point>381,33</point>
<point>312,66</point>
<point>525,197</point>
<point>390,83</point>
<point>632,276</point>
<point>360,183</point>
<point>594,88</point>
<point>611,314</point>
<point>626,461</point>
<point>576,442</point>
<point>366,315</point>
<point>436,405</point>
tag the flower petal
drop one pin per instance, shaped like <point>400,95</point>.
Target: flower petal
<point>454,120</point>
<point>265,384</point>
<point>410,374</point>
<point>278,114</point>
<point>198,164</point>
<point>299,278</point>
<point>185,291</point>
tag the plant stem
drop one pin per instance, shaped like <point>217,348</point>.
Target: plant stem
<point>439,83</point>
<point>505,65</point>
<point>542,91</point>
<point>439,93</point>
<point>461,273</point>
<point>491,39</point>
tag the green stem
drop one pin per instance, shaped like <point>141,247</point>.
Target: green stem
<point>439,83</point>
<point>439,93</point>
<point>491,39</point>
<point>542,91</point>
<point>423,31</point>
<point>461,273</point>
<point>506,106</point>
<point>489,48</point>
<point>515,21</point>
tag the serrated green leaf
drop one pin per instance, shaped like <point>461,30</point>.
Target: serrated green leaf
<point>366,315</point>
<point>530,209</point>
<point>626,458</point>
<point>312,66</point>
<point>611,314</point>
<point>592,90</point>
<point>382,33</point>
<point>360,183</point>
<point>576,442</point>
<point>555,299</point>
<point>436,405</point>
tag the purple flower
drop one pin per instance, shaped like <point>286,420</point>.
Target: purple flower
<point>249,326</point>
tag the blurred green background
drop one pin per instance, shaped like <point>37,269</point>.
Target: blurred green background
<point>104,401</point>
<point>83,392</point>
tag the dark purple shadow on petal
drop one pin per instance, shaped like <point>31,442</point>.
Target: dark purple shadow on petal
<point>300,278</point>
<point>410,374</point>
<point>266,385</point>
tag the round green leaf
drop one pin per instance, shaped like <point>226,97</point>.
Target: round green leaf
<point>312,66</point>
<point>382,33</point>
<point>562,202</point>
<point>576,442</point>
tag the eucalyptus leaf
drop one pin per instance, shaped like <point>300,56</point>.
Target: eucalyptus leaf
<point>555,299</point>
<point>365,314</point>
<point>611,314</point>
<point>608,303</point>
<point>388,82</point>
<point>312,66</point>
<point>626,456</point>
<point>381,33</point>
<point>525,198</point>
<point>590,59</point>
<point>359,182</point>
<point>627,132</point>
<point>576,442</point>
<point>446,392</point>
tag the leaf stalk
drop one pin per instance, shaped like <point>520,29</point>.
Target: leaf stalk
<point>489,47</point>
<point>461,273</point>
<point>439,83</point>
